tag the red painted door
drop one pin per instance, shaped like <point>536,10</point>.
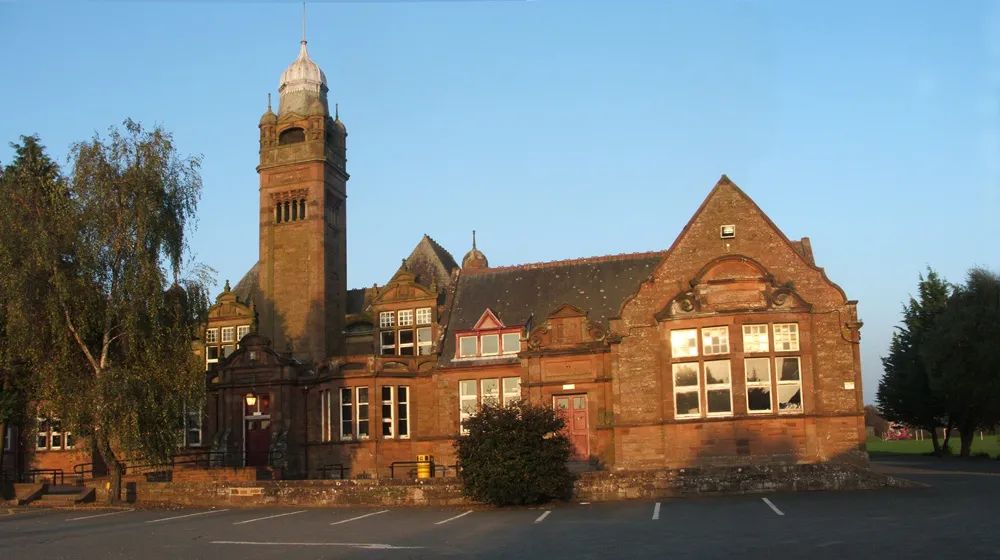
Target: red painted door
<point>574,409</point>
<point>258,442</point>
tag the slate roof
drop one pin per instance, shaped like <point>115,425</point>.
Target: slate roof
<point>247,287</point>
<point>355,301</point>
<point>429,260</point>
<point>524,293</point>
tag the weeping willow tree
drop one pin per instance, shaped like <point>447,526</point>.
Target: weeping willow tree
<point>114,359</point>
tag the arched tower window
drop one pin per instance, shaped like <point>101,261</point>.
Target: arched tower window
<point>291,136</point>
<point>302,209</point>
<point>286,211</point>
<point>295,210</point>
<point>277,213</point>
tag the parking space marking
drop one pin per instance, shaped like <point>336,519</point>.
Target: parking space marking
<point>99,515</point>
<point>656,511</point>
<point>453,518</point>
<point>543,516</point>
<point>359,517</point>
<point>370,546</point>
<point>268,517</point>
<point>188,515</point>
<point>774,507</point>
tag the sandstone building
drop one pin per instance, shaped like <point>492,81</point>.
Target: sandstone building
<point>729,347</point>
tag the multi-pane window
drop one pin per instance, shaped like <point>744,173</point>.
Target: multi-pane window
<point>346,414</point>
<point>467,402</point>
<point>511,390</point>
<point>50,435</point>
<point>718,388</point>
<point>715,340</point>
<point>406,342</point>
<point>192,426</point>
<point>387,319</point>
<point>425,343</point>
<point>758,374</point>
<point>467,346</point>
<point>755,339</point>
<point>403,411</point>
<point>789,384</point>
<point>684,344</point>
<point>687,393</point>
<point>387,342</point>
<point>406,317</point>
<point>491,391</point>
<point>362,411</point>
<point>424,316</point>
<point>227,334</point>
<point>490,344</point>
<point>786,337</point>
<point>211,336</point>
<point>511,343</point>
<point>388,412</point>
<point>242,331</point>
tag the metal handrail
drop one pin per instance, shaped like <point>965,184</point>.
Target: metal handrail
<point>434,467</point>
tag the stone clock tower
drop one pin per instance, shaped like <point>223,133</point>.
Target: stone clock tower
<point>303,194</point>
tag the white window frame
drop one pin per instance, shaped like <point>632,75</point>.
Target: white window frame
<point>425,347</point>
<point>188,429</point>
<point>495,395</point>
<point>680,343</point>
<point>715,341</point>
<point>227,334</point>
<point>401,392</point>
<point>242,331</point>
<point>696,388</point>
<point>390,347</point>
<point>727,386</point>
<point>389,421</point>
<point>796,383</point>
<point>482,345</point>
<point>405,318</point>
<point>515,346</point>
<point>326,411</point>
<point>465,412</point>
<point>348,407</point>
<point>786,337</point>
<point>755,339</point>
<point>475,339</point>
<point>424,316</point>
<point>511,395</point>
<point>387,319</point>
<point>212,336</point>
<point>362,417</point>
<point>401,344</point>
<point>759,384</point>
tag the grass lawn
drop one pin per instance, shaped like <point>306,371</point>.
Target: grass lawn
<point>879,448</point>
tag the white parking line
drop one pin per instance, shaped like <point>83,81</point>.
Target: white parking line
<point>359,517</point>
<point>188,515</point>
<point>543,516</point>
<point>454,518</point>
<point>774,507</point>
<point>656,511</point>
<point>99,515</point>
<point>370,546</point>
<point>268,517</point>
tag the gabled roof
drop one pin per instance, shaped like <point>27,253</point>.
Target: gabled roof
<point>517,294</point>
<point>247,287</point>
<point>430,261</point>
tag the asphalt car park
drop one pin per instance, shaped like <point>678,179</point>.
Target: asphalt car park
<point>954,515</point>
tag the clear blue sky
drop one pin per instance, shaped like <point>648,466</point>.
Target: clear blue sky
<point>563,129</point>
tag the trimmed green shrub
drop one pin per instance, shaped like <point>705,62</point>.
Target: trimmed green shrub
<point>515,455</point>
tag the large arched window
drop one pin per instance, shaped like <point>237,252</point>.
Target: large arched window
<point>291,136</point>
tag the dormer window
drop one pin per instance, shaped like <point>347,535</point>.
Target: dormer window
<point>467,346</point>
<point>511,343</point>
<point>398,337</point>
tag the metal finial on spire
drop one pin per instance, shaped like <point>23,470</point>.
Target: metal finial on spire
<point>303,22</point>
<point>336,111</point>
<point>269,102</point>
<point>473,240</point>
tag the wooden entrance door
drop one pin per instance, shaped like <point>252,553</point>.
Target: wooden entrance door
<point>258,442</point>
<point>574,409</point>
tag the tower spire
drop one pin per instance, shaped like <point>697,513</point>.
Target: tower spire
<point>303,23</point>
<point>473,240</point>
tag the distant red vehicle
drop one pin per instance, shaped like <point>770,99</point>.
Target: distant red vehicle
<point>898,431</point>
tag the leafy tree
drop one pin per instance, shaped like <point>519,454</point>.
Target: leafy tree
<point>874,419</point>
<point>110,338</point>
<point>906,392</point>
<point>515,455</point>
<point>963,355</point>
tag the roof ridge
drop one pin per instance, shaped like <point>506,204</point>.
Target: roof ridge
<point>581,260</point>
<point>438,247</point>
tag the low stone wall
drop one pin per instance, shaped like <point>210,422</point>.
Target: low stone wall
<point>592,487</point>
